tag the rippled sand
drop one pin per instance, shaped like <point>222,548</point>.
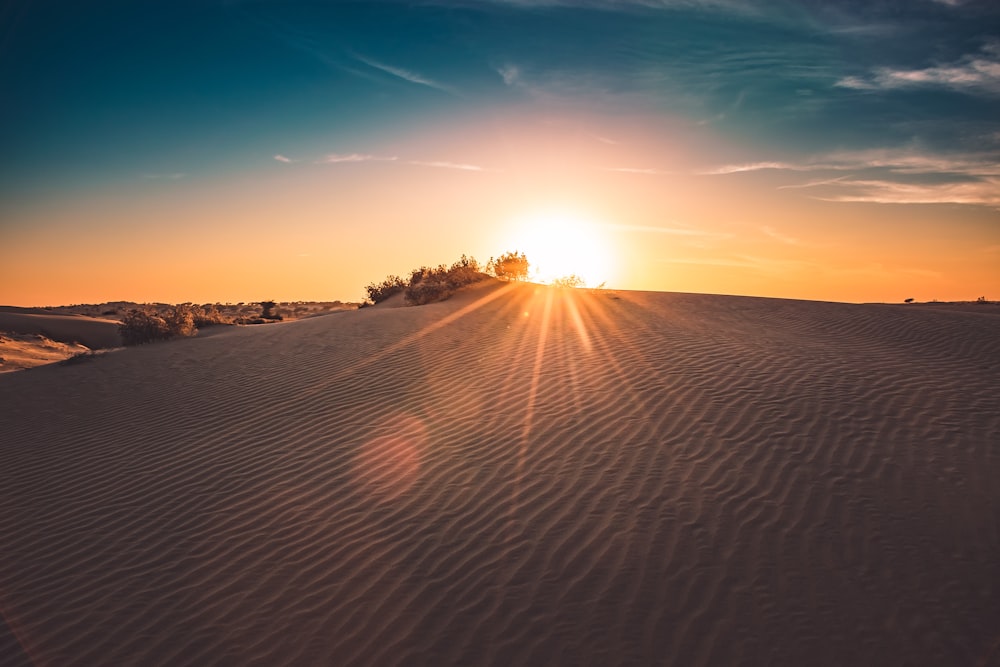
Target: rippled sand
<point>518,475</point>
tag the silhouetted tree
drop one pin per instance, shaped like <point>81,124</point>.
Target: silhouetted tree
<point>267,309</point>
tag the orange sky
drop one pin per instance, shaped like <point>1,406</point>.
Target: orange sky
<point>642,188</point>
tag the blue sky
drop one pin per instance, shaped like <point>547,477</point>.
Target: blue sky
<point>895,103</point>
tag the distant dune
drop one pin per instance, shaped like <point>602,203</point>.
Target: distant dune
<point>32,337</point>
<point>518,475</point>
<point>93,332</point>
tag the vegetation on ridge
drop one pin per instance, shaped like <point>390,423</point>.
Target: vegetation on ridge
<point>429,284</point>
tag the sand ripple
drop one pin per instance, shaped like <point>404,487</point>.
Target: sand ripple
<point>515,476</point>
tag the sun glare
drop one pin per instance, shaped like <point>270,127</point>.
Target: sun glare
<point>560,244</point>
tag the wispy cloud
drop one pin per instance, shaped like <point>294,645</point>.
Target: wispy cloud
<point>334,158</point>
<point>510,74</point>
<point>348,158</point>
<point>778,236</point>
<point>447,165</point>
<point>814,183</point>
<point>915,162</point>
<point>638,170</point>
<point>605,140</point>
<point>901,161</point>
<point>407,75</point>
<point>282,158</point>
<point>979,72</point>
<point>756,166</point>
<point>979,193</point>
<point>893,176</point>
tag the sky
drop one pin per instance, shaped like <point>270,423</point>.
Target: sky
<point>230,150</point>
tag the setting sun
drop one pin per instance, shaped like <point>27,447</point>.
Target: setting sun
<point>559,244</point>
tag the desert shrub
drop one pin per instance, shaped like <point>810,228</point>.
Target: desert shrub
<point>570,281</point>
<point>426,292</point>
<point>509,266</point>
<point>208,315</point>
<point>140,326</point>
<point>379,292</point>
<point>428,285</point>
<point>180,321</point>
<point>464,272</point>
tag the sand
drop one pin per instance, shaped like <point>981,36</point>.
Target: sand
<point>518,475</point>
<point>31,337</point>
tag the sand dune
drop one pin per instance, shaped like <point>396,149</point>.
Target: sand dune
<point>518,475</point>
<point>93,332</point>
<point>32,337</point>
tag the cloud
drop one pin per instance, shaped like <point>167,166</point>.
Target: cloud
<point>894,176</point>
<point>894,160</point>
<point>979,193</point>
<point>741,6</point>
<point>756,166</point>
<point>911,162</point>
<point>778,236</point>
<point>638,170</point>
<point>334,158</point>
<point>282,158</point>
<point>980,72</point>
<point>342,158</point>
<point>510,74</point>
<point>407,75</point>
<point>814,183</point>
<point>448,165</point>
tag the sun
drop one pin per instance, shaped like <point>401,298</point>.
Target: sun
<point>560,244</point>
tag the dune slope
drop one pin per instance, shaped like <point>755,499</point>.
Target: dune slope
<point>514,476</point>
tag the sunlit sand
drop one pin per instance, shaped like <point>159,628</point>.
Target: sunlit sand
<point>517,475</point>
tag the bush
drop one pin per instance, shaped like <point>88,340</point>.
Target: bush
<point>208,316</point>
<point>140,326</point>
<point>509,266</point>
<point>570,281</point>
<point>391,286</point>
<point>428,285</point>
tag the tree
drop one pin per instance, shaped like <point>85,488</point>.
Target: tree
<point>509,266</point>
<point>267,310</point>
